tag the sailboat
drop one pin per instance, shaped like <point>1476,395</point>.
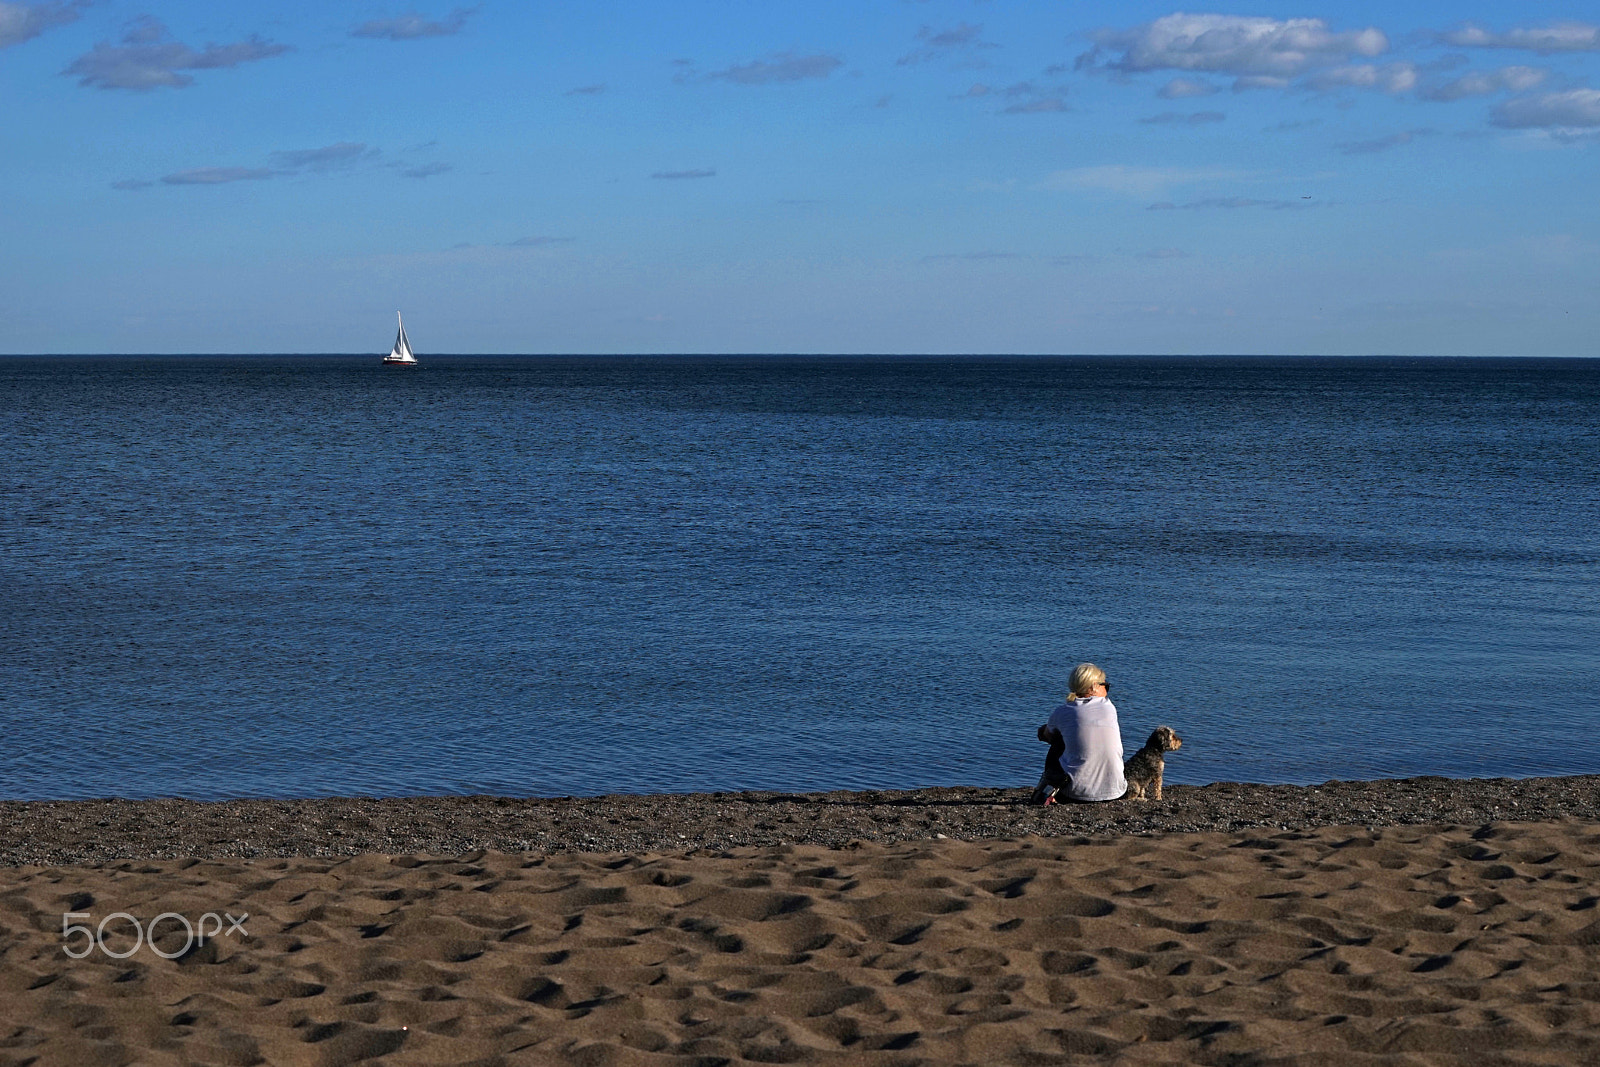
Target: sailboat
<point>401,356</point>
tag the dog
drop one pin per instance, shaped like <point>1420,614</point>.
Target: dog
<point>1143,769</point>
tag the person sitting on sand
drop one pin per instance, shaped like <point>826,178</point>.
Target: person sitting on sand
<point>1085,758</point>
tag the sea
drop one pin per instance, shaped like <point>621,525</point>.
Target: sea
<point>303,576</point>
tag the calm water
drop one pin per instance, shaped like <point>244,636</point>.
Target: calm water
<point>311,576</point>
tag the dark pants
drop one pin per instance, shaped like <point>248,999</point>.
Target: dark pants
<point>1054,778</point>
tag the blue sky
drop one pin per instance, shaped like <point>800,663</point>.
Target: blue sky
<point>872,176</point>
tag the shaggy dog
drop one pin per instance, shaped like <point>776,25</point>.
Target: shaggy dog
<point>1143,770</point>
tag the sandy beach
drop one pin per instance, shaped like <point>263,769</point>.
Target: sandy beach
<point>1423,921</point>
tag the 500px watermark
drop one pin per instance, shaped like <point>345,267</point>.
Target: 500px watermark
<point>97,936</point>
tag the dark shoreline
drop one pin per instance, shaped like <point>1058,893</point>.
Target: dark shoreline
<point>93,831</point>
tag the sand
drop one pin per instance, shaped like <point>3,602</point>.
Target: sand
<point>80,831</point>
<point>1382,940</point>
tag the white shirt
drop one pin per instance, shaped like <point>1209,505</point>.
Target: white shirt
<point>1094,748</point>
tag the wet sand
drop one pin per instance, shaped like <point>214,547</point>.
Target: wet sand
<point>1424,921</point>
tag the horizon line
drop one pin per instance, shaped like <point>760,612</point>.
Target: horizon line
<point>377,356</point>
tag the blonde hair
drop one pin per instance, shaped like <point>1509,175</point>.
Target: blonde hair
<point>1085,676</point>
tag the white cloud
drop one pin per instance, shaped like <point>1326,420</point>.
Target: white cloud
<point>1308,54</point>
<point>1142,182</point>
<point>963,38</point>
<point>23,22</point>
<point>1259,81</point>
<point>216,176</point>
<point>1573,108</point>
<point>1231,202</point>
<point>1396,78</point>
<point>1183,88</point>
<point>1486,83</point>
<point>964,35</point>
<point>1030,99</point>
<point>410,27</point>
<point>1240,46</point>
<point>146,60</point>
<point>1383,144</point>
<point>1176,118</point>
<point>331,157</point>
<point>1389,78</point>
<point>784,67</point>
<point>1546,40</point>
<point>425,170</point>
<point>285,164</point>
<point>1292,124</point>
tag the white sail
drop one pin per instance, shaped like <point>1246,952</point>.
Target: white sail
<point>402,347</point>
